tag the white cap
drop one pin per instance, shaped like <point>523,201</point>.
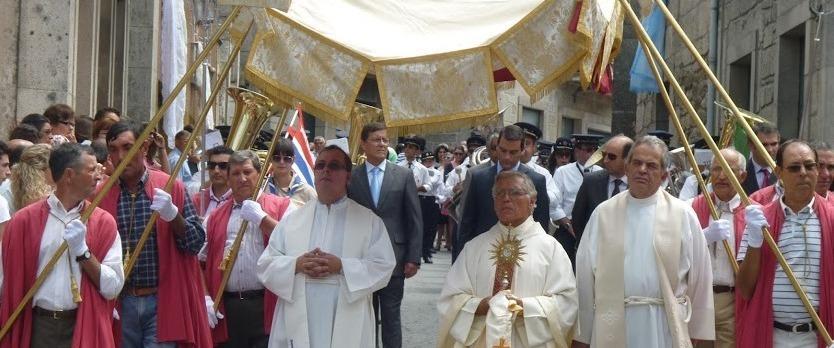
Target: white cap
<point>341,143</point>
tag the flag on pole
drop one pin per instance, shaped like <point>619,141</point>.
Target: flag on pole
<point>641,79</point>
<point>303,157</point>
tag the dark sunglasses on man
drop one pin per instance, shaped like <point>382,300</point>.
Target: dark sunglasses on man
<point>222,165</point>
<point>282,158</point>
<point>332,166</point>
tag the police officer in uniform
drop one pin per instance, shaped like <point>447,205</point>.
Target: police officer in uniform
<point>412,150</point>
<point>568,178</point>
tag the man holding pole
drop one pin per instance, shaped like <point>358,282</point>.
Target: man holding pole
<point>642,269</point>
<point>729,227</point>
<point>801,224</point>
<point>163,301</point>
<point>324,261</point>
<point>247,307</point>
<point>93,266</point>
<point>213,196</point>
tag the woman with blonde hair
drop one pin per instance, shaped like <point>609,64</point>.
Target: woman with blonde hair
<point>31,179</point>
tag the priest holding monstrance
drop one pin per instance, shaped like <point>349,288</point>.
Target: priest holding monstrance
<point>512,285</point>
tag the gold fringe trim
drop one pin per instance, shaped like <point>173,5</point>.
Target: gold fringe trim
<point>549,88</point>
<point>504,85</point>
<point>279,96</point>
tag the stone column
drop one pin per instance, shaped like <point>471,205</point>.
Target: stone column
<point>141,80</point>
<point>9,26</point>
<point>46,54</point>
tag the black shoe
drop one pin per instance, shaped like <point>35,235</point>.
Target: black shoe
<point>427,259</point>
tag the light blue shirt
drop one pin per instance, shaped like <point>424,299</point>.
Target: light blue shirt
<point>185,172</point>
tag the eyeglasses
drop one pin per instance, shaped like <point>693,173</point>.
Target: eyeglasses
<point>222,165</point>
<point>332,166</point>
<point>828,167</point>
<point>378,140</point>
<point>512,193</point>
<point>796,168</point>
<point>282,158</point>
<point>609,156</point>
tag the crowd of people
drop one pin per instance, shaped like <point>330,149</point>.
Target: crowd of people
<point>571,243</point>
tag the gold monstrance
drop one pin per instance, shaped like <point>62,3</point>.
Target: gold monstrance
<point>506,254</point>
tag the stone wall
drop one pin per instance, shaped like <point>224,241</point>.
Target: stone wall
<point>9,26</point>
<point>768,61</point>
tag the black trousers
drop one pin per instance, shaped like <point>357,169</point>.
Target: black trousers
<point>431,215</point>
<point>568,242</point>
<point>51,332</point>
<point>244,321</point>
<point>387,303</point>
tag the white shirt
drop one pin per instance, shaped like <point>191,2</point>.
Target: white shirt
<point>760,175</point>
<point>553,193</point>
<point>722,270</point>
<point>568,178</point>
<point>5,215</point>
<point>55,294</point>
<point>799,242</point>
<point>214,201</point>
<point>689,190</point>
<point>244,276</point>
<point>6,192</point>
<point>623,184</point>
<point>421,175</point>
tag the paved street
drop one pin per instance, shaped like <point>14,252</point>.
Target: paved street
<point>419,310</point>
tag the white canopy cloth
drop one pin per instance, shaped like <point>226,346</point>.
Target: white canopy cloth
<point>433,60</point>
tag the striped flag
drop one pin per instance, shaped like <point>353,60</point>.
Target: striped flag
<point>303,158</point>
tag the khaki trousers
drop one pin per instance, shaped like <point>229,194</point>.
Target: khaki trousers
<point>725,331</point>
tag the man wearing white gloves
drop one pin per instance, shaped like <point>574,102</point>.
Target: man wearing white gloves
<point>163,303</point>
<point>93,267</point>
<point>801,224</point>
<point>729,227</point>
<point>248,308</point>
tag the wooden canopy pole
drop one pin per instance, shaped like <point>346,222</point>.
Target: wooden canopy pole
<point>689,155</point>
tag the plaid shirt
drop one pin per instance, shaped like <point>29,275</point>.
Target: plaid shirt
<point>134,211</point>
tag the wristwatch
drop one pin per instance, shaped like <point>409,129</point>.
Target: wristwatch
<point>84,256</point>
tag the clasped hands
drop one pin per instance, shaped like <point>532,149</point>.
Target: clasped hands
<point>318,264</point>
<point>483,306</point>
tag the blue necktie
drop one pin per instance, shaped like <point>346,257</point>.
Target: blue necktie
<point>375,185</point>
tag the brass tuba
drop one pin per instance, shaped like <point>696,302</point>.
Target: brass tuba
<point>252,110</point>
<point>480,155</point>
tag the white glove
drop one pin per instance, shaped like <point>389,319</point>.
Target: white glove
<point>163,205</point>
<point>754,216</point>
<point>251,211</point>
<point>76,236</point>
<point>717,230</point>
<point>213,316</point>
<point>116,315</point>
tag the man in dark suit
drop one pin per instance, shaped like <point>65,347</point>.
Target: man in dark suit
<point>601,185</point>
<point>391,192</point>
<point>759,174</point>
<point>478,208</point>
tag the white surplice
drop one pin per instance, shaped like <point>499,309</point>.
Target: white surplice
<point>646,324</point>
<point>335,311</point>
<point>543,280</point>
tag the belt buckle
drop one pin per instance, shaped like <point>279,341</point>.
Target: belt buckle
<point>795,328</point>
<point>55,315</point>
<point>240,295</point>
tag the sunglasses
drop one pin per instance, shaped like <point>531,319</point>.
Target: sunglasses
<point>282,158</point>
<point>222,165</point>
<point>332,166</point>
<point>512,193</point>
<point>796,168</point>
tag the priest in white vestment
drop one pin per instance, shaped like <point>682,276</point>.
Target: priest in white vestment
<point>324,261</point>
<point>643,268</point>
<point>511,285</point>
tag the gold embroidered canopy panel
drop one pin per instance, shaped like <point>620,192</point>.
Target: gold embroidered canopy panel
<point>434,61</point>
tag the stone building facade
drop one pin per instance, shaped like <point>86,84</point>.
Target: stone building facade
<point>775,58</point>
